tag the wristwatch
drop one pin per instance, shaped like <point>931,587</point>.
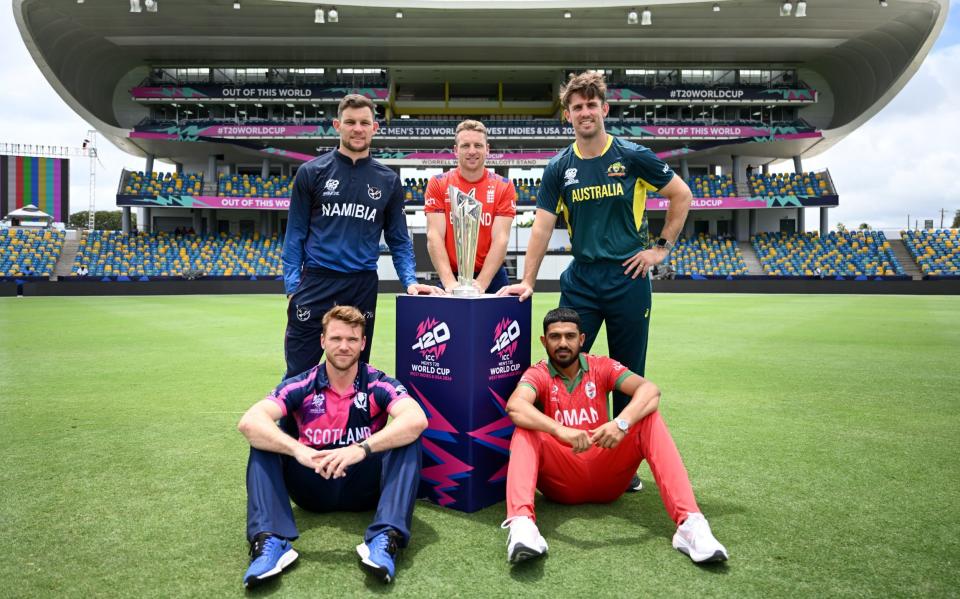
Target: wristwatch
<point>366,448</point>
<point>623,425</point>
<point>663,243</point>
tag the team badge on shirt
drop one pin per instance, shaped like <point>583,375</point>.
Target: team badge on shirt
<point>616,170</point>
<point>360,401</point>
<point>590,389</point>
<point>373,192</point>
<point>570,177</point>
<point>303,314</point>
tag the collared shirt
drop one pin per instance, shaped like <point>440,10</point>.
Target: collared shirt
<point>604,198</point>
<point>338,210</point>
<point>579,403</point>
<point>328,419</point>
<point>496,194</point>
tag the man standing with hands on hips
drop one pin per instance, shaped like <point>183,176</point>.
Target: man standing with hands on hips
<point>498,198</point>
<point>341,203</point>
<point>600,183</point>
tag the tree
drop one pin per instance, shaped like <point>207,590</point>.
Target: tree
<point>864,227</point>
<point>104,220</point>
<point>956,221</point>
<point>841,228</point>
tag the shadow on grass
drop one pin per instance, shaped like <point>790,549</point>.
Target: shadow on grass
<point>356,523</point>
<point>271,585</point>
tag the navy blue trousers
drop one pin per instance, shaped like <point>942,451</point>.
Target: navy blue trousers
<point>598,292</point>
<point>320,290</point>
<point>386,481</point>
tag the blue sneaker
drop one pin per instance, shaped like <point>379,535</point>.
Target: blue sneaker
<point>269,556</point>
<point>378,556</point>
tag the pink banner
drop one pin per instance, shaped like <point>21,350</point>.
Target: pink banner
<point>726,203</point>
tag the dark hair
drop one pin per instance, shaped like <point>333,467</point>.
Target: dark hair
<point>356,101</point>
<point>561,315</point>
<point>589,84</point>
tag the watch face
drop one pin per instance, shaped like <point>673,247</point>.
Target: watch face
<point>622,425</point>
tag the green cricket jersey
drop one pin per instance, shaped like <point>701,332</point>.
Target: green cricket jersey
<point>603,199</point>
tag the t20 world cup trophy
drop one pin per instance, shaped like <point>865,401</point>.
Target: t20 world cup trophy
<point>465,214</point>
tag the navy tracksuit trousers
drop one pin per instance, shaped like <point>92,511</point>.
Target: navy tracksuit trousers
<point>386,481</point>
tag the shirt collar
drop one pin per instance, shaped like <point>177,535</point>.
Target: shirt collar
<point>347,160</point>
<point>583,366</point>
<point>360,382</point>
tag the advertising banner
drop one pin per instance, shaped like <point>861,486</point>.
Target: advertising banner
<point>686,94</point>
<point>257,92</point>
<point>228,203</point>
<point>461,358</point>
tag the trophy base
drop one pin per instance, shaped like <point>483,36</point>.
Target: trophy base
<point>466,291</point>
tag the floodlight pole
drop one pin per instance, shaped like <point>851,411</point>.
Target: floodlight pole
<point>91,147</point>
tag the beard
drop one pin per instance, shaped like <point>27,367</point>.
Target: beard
<point>356,145</point>
<point>342,363</point>
<point>572,356</point>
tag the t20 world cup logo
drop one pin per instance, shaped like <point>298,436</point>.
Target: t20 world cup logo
<point>432,337</point>
<point>505,337</point>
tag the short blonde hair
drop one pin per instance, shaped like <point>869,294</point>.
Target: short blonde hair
<point>345,314</point>
<point>589,84</point>
<point>470,125</point>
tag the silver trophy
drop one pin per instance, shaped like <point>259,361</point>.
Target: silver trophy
<point>465,214</point>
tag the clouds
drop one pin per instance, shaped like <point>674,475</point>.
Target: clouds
<point>902,161</point>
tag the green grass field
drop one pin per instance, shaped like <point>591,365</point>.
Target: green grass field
<point>821,433</point>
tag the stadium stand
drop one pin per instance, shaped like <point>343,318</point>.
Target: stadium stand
<point>787,184</point>
<point>706,256</point>
<point>112,253</point>
<point>414,190</point>
<point>141,185</point>
<point>29,253</point>
<point>254,186</point>
<point>845,254</point>
<point>937,252</point>
<point>709,186</point>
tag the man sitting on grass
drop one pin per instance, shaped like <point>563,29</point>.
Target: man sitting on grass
<point>566,445</point>
<point>346,458</point>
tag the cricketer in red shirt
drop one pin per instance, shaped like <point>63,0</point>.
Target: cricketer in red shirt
<point>499,200</point>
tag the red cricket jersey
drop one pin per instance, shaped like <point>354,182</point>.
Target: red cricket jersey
<point>585,406</point>
<point>497,194</point>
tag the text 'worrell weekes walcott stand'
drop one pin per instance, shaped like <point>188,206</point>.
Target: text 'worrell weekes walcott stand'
<point>461,358</point>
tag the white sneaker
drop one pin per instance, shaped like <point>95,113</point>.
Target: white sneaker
<point>524,541</point>
<point>695,539</point>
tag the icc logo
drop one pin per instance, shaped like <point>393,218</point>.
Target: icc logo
<point>303,314</point>
<point>505,338</point>
<point>373,192</point>
<point>570,177</point>
<point>331,187</point>
<point>432,337</point>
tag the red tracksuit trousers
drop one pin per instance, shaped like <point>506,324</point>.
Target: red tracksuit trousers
<point>539,461</point>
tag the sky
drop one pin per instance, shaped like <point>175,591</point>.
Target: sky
<point>902,162</point>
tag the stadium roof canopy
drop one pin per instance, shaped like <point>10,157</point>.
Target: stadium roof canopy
<point>861,54</point>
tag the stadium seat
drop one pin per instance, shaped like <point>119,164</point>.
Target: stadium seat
<point>846,254</point>
<point>707,256</point>
<point>26,252</point>
<point>112,253</point>
<point>937,251</point>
